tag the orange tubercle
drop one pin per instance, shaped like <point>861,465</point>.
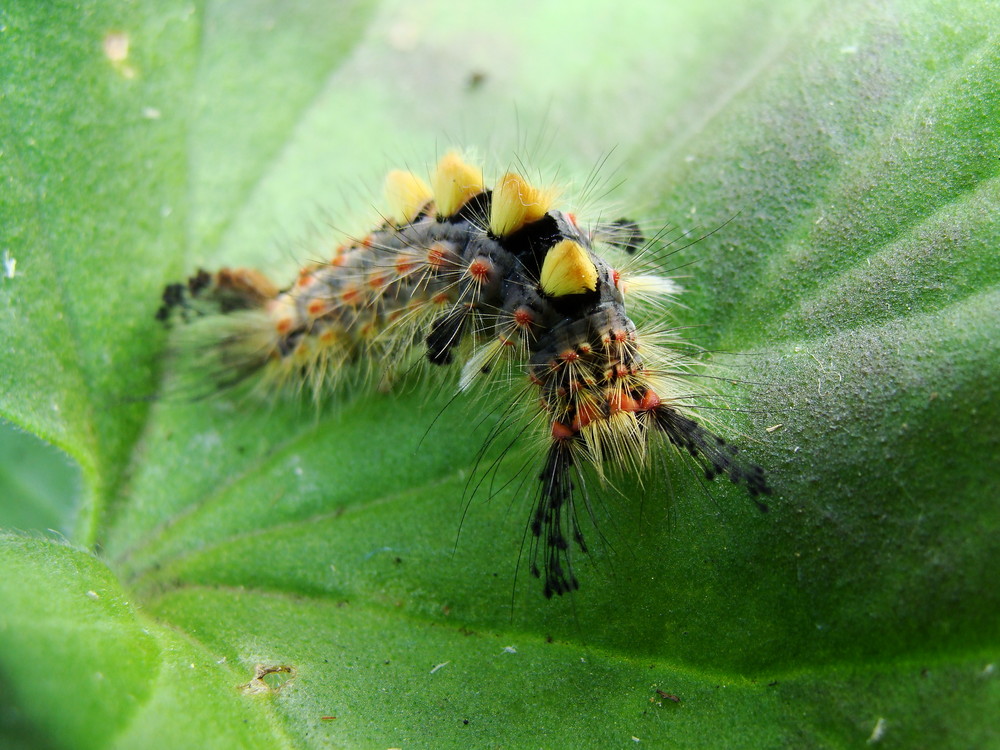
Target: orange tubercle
<point>585,414</point>
<point>316,307</point>
<point>523,317</point>
<point>436,256</point>
<point>561,431</point>
<point>479,270</point>
<point>622,401</point>
<point>649,401</point>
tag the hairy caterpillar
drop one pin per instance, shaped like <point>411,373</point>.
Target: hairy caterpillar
<point>500,278</point>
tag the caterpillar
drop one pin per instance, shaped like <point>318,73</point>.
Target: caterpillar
<point>497,277</point>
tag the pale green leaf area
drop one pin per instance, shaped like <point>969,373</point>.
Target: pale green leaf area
<point>843,164</point>
<point>38,483</point>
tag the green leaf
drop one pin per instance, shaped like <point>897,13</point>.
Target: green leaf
<point>83,670</point>
<point>37,482</point>
<point>848,158</point>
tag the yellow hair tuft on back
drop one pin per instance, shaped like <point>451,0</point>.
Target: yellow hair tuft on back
<point>454,182</point>
<point>568,269</point>
<point>406,194</point>
<point>516,203</point>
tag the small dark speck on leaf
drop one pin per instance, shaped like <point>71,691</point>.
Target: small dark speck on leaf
<point>475,80</point>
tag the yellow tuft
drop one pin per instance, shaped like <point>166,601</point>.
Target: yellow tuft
<point>649,285</point>
<point>454,183</point>
<point>568,269</point>
<point>406,194</point>
<point>516,203</point>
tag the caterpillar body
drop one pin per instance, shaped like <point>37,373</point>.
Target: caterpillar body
<point>502,279</point>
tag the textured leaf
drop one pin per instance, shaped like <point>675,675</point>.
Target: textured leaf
<point>847,157</point>
<point>38,484</point>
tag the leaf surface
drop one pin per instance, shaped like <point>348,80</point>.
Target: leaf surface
<point>848,159</point>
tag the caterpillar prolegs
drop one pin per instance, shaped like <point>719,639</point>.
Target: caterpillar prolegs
<point>500,278</point>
